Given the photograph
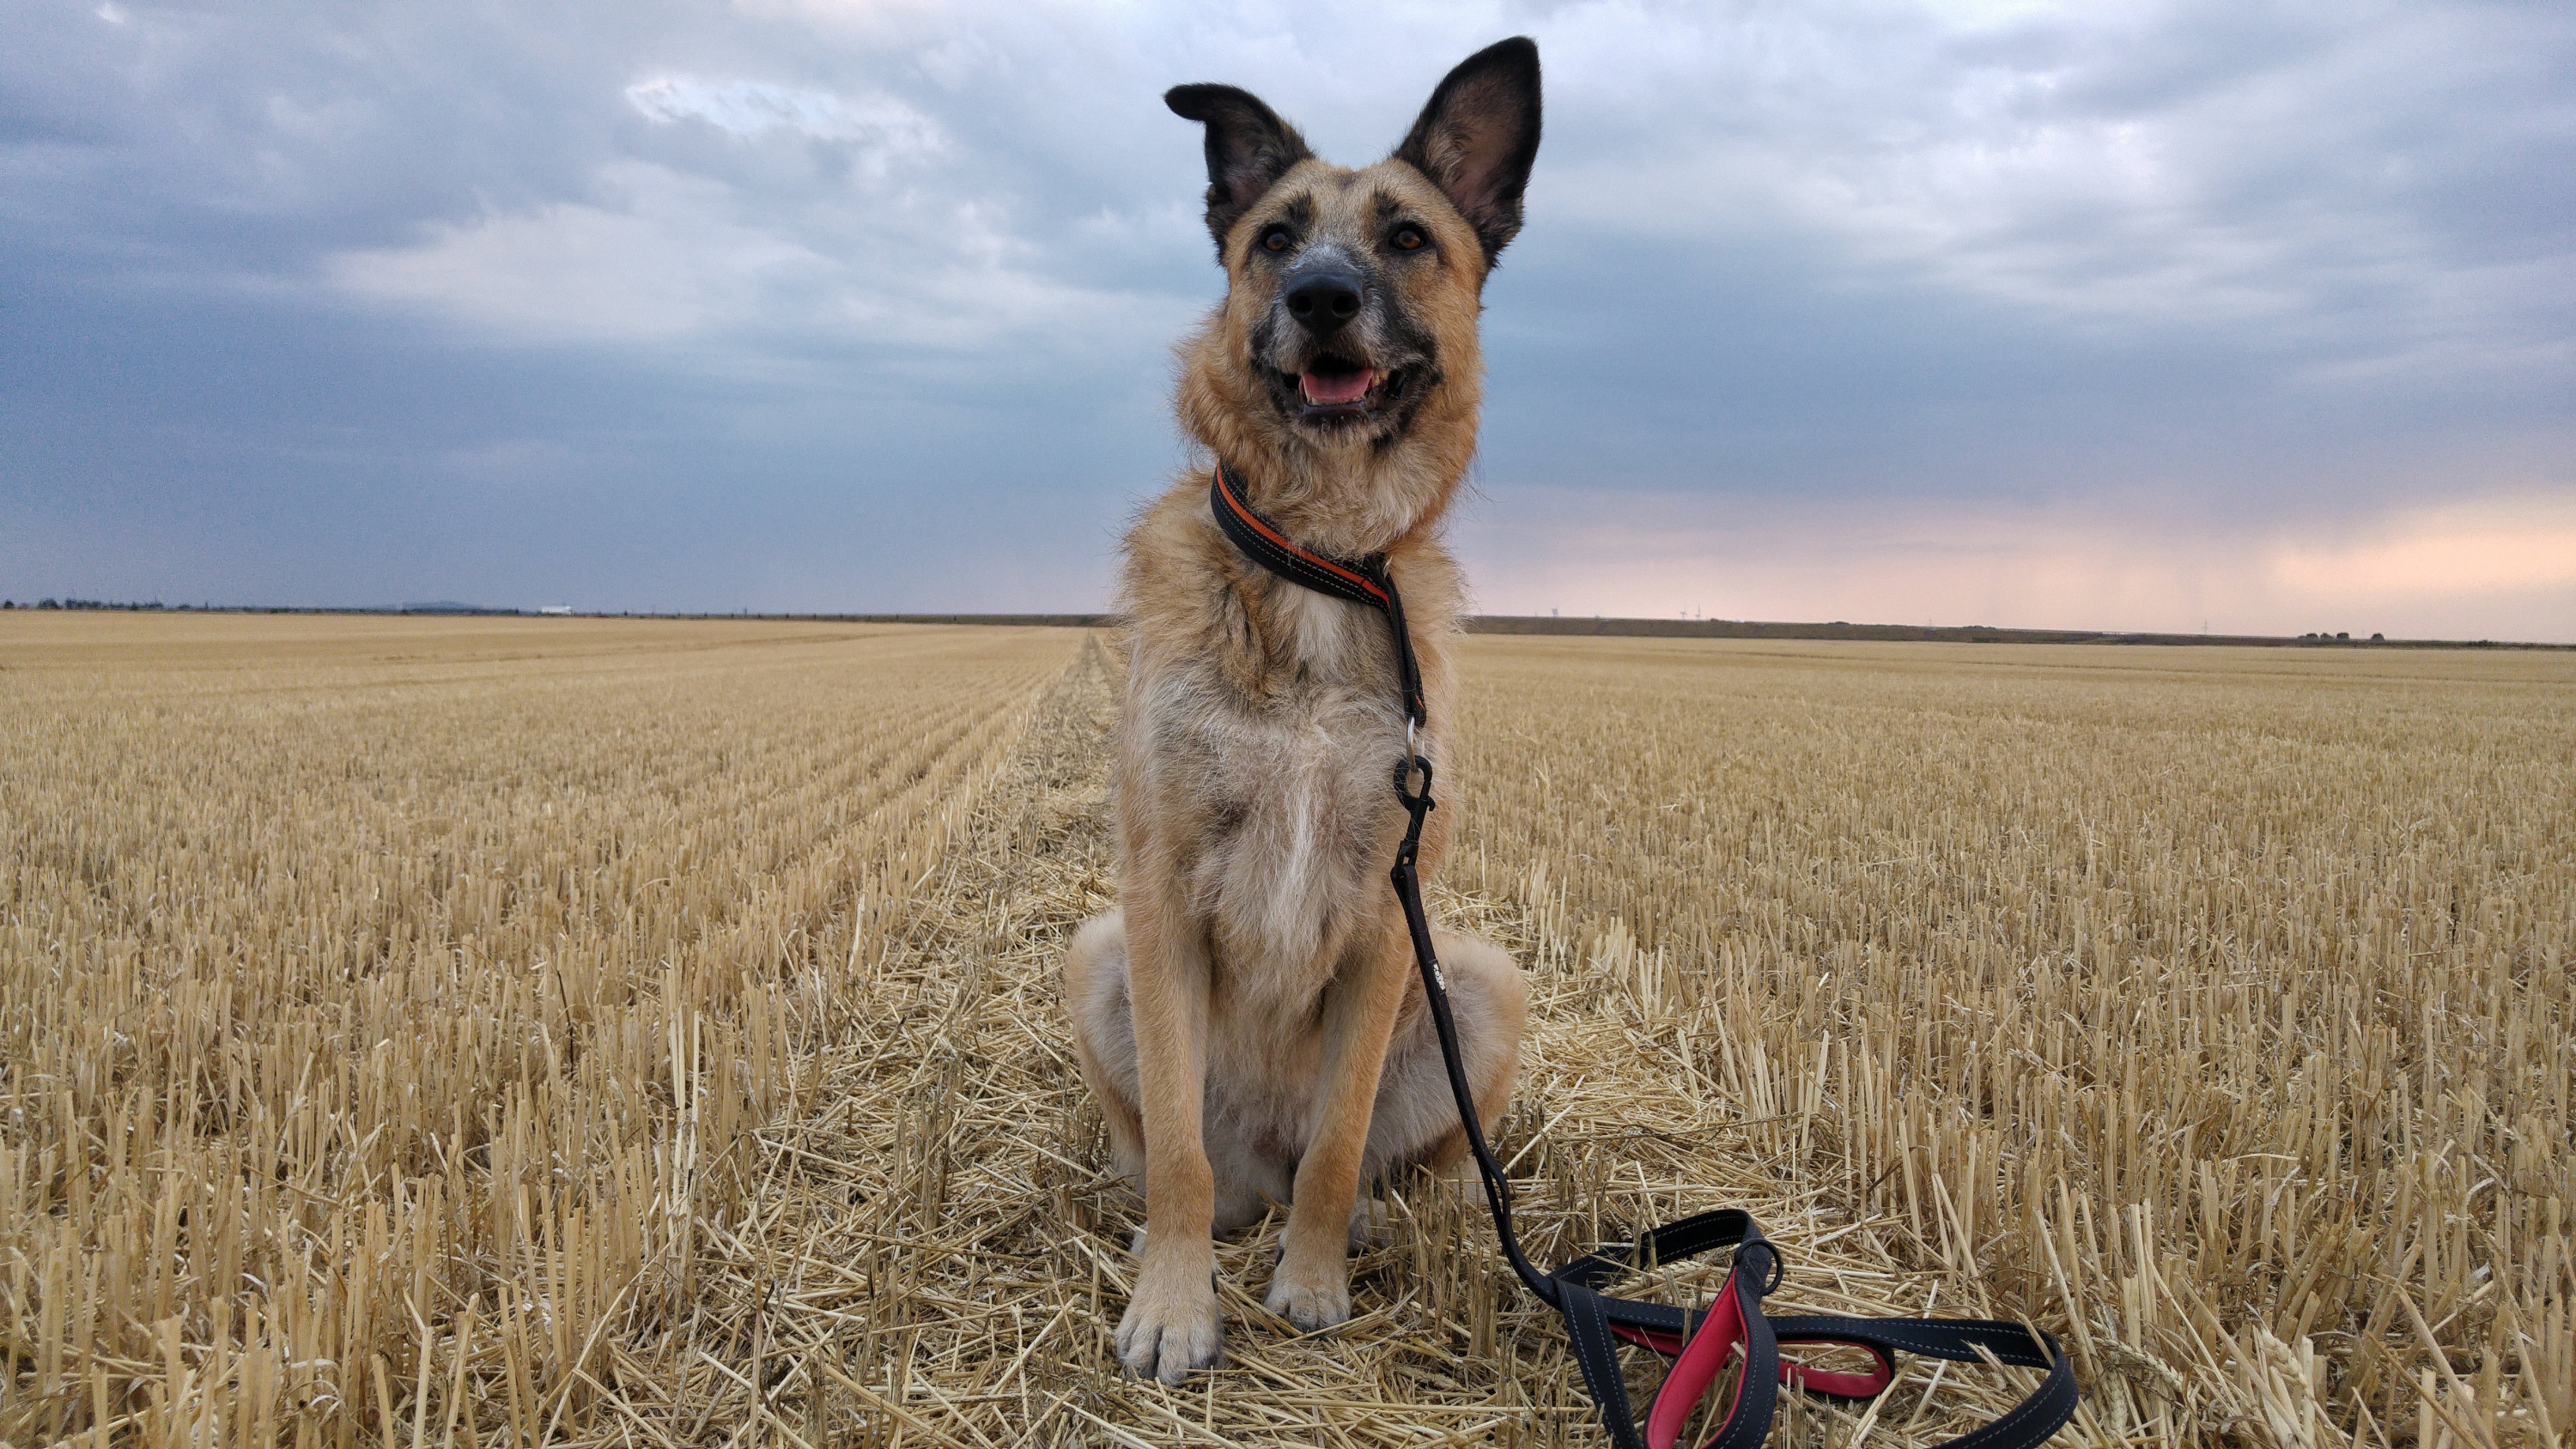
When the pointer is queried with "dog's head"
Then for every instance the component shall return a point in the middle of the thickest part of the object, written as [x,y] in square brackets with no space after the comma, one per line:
[1352,295]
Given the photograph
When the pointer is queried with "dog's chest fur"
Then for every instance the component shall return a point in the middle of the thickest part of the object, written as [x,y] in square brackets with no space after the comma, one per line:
[1278,737]
[1292,786]
[1303,800]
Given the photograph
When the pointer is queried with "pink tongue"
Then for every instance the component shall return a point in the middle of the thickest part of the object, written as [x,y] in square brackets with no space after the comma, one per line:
[1340,387]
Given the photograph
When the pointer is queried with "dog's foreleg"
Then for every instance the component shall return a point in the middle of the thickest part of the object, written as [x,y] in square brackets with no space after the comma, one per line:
[1312,1287]
[1171,1325]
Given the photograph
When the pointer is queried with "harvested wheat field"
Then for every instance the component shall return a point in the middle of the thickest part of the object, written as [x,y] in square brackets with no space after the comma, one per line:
[591,1032]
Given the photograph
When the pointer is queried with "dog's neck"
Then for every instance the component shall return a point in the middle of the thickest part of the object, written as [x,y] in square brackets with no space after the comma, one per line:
[1349,500]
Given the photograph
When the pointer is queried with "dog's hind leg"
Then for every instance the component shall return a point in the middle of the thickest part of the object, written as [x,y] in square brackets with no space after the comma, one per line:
[1104,1036]
[1416,1121]
[1247,1183]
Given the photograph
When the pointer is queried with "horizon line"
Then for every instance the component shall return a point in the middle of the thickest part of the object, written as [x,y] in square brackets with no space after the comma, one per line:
[1579,625]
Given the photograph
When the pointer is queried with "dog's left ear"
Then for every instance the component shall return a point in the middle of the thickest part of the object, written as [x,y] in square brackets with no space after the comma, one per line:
[1478,135]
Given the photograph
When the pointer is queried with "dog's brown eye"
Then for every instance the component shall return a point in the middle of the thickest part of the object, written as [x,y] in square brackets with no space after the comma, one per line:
[1407,239]
[1275,239]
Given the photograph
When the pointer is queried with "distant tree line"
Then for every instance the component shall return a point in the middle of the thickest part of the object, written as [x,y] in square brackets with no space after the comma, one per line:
[82,604]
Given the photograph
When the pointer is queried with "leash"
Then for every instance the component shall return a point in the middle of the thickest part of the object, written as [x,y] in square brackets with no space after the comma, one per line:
[1701,1344]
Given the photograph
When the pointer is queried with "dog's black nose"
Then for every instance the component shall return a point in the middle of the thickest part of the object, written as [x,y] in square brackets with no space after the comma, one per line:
[1322,302]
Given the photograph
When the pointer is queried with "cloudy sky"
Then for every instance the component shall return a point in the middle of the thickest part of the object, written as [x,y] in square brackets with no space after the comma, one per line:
[2103,315]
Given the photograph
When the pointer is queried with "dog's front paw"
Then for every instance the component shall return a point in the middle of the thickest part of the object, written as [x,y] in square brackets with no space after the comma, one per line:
[1172,1325]
[1313,1298]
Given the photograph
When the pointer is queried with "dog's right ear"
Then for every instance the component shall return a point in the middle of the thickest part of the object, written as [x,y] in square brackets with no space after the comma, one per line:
[1248,149]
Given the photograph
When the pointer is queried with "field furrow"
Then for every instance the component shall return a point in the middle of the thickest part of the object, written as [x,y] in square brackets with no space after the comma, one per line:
[378,1000]
[647,1033]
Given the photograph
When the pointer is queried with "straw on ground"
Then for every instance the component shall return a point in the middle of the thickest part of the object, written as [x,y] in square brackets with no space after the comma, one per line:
[591,1033]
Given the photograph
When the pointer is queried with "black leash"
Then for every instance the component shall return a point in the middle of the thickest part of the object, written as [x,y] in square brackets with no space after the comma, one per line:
[1700,1344]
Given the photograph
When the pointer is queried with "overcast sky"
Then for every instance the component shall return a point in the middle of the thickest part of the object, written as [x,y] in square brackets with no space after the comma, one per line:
[2100,315]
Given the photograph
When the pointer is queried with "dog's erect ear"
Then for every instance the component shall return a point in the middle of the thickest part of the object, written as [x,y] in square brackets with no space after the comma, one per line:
[1248,149]
[1479,134]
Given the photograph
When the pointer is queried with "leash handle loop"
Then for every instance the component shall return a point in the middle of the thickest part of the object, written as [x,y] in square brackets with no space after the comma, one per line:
[1587,1324]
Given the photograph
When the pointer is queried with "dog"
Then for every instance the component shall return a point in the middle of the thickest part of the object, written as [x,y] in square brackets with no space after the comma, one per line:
[1249,1017]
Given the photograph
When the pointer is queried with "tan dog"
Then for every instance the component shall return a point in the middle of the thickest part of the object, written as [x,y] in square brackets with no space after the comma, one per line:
[1250,1018]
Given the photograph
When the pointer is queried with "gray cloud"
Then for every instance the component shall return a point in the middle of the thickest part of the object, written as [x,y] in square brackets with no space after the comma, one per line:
[869,306]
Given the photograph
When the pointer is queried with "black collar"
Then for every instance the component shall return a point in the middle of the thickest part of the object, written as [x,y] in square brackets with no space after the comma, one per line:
[1361,581]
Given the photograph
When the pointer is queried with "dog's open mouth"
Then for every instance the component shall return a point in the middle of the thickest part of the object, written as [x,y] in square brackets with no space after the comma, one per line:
[1334,387]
